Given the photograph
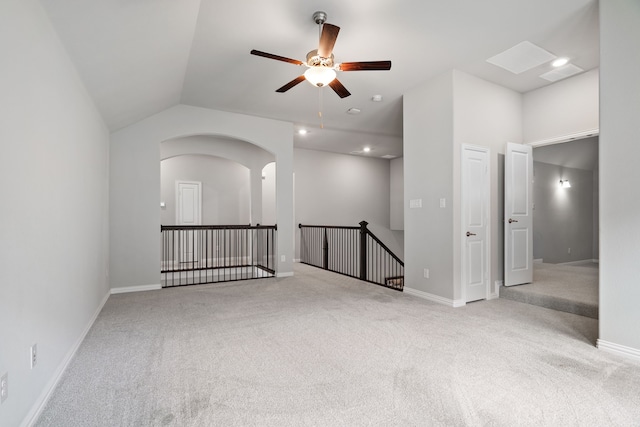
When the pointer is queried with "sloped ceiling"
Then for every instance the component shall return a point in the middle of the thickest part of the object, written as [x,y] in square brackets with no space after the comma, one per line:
[139,57]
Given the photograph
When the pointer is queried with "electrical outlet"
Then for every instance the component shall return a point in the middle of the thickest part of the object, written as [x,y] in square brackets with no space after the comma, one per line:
[34,355]
[283,258]
[569,250]
[426,273]
[4,387]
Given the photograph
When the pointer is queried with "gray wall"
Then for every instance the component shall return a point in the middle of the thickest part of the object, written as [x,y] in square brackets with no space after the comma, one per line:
[428,164]
[135,155]
[340,189]
[619,176]
[226,188]
[268,177]
[397,194]
[563,217]
[439,116]
[54,190]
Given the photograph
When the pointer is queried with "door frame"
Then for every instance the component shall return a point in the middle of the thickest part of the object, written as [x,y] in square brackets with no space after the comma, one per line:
[487,214]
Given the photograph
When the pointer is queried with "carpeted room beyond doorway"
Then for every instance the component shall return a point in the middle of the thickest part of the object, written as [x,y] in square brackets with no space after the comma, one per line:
[323,349]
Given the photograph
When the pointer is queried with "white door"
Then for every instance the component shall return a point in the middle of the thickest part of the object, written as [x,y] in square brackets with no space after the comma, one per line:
[188,212]
[518,221]
[475,223]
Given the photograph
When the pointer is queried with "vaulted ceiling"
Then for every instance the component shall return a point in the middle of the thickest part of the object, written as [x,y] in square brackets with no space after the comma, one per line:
[139,57]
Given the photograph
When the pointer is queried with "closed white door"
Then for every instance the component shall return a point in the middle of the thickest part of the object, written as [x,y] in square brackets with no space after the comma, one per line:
[188,212]
[518,221]
[475,222]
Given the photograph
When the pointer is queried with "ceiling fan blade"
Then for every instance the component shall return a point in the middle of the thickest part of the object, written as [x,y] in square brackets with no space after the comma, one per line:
[365,66]
[276,57]
[327,40]
[291,84]
[339,88]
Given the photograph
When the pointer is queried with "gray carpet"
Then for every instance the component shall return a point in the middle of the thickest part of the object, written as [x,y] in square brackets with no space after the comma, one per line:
[320,349]
[568,288]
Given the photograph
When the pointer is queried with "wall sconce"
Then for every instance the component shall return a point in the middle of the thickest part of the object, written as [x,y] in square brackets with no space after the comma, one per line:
[564,183]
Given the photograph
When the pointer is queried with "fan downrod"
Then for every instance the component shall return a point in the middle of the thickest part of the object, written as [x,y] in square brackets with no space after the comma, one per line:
[320,17]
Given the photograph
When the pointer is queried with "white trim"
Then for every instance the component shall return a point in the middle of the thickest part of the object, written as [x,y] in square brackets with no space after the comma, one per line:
[141,288]
[434,298]
[42,400]
[286,274]
[538,260]
[495,292]
[296,260]
[621,350]
[565,138]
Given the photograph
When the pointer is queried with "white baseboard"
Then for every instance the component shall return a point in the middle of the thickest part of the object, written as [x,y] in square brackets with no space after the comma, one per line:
[434,298]
[127,289]
[286,274]
[296,260]
[618,349]
[42,400]
[538,261]
[582,261]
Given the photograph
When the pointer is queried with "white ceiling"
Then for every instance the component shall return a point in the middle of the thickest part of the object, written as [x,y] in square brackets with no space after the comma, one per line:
[139,57]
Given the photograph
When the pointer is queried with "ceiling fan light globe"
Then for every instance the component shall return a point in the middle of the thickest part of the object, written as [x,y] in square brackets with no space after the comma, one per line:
[320,76]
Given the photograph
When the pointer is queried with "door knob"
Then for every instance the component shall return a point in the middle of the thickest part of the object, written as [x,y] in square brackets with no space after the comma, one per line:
[512,220]
[470,234]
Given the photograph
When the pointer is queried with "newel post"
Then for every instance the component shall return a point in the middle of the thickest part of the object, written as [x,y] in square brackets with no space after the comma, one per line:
[363,250]
[325,251]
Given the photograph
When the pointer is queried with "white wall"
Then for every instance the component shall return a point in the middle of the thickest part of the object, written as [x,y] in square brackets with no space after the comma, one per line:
[619,176]
[135,184]
[53,184]
[225,186]
[567,107]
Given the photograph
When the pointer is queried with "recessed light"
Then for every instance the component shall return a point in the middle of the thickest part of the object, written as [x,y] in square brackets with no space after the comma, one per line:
[303,132]
[366,149]
[560,62]
[376,98]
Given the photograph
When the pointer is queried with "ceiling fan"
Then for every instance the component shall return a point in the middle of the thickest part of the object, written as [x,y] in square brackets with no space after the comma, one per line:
[321,68]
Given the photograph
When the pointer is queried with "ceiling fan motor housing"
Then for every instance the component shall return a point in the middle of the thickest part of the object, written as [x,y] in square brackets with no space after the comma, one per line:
[315,60]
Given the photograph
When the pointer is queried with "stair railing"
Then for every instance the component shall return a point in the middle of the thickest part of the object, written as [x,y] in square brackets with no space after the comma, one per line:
[352,251]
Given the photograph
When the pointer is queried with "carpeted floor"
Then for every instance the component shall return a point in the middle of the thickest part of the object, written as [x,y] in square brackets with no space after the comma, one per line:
[319,349]
[569,288]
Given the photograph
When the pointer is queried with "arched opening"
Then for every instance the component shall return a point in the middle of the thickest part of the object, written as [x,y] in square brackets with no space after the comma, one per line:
[211,211]
[225,189]
[134,202]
